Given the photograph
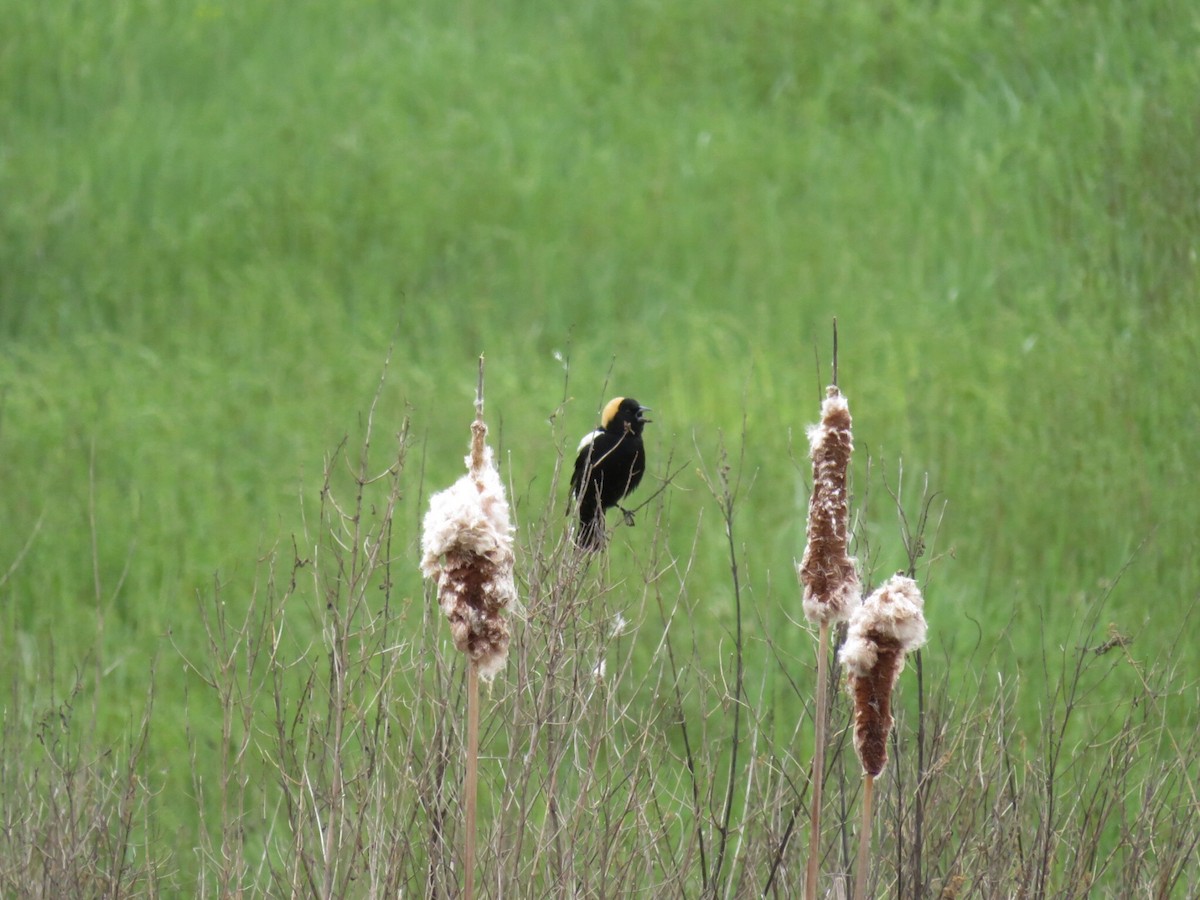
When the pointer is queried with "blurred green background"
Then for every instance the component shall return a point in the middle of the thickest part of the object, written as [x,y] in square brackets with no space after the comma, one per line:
[217,219]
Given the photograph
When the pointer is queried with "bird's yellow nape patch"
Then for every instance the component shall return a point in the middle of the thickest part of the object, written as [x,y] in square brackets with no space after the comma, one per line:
[610,410]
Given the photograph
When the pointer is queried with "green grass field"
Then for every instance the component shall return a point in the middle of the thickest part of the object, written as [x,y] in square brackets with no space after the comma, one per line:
[220,221]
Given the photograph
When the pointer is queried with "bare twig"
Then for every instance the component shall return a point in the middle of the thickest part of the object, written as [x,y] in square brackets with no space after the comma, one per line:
[725,491]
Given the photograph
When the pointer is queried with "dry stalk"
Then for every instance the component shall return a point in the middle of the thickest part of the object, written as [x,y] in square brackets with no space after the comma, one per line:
[827,572]
[887,625]
[864,843]
[472,775]
[467,546]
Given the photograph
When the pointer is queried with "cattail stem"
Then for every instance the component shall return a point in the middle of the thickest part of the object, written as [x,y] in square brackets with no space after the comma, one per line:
[818,766]
[472,778]
[467,546]
[827,572]
[864,839]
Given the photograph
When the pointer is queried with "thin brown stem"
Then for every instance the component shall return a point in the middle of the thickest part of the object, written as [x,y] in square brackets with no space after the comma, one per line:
[472,778]
[818,767]
[727,500]
[864,839]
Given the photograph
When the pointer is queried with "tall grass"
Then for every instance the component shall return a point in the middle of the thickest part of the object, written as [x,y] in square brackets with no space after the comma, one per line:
[217,217]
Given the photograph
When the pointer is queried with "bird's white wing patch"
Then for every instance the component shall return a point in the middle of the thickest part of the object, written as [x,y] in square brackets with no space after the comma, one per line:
[588,438]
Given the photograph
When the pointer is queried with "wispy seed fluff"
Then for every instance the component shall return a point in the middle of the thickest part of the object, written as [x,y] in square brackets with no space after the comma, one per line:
[467,545]
[887,625]
[828,573]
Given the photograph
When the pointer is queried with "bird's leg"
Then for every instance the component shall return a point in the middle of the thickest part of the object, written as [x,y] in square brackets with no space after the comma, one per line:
[627,514]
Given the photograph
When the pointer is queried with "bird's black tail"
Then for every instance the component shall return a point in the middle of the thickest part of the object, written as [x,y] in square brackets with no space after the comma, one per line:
[590,534]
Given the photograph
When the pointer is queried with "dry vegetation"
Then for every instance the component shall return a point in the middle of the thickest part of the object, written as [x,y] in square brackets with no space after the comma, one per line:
[621,755]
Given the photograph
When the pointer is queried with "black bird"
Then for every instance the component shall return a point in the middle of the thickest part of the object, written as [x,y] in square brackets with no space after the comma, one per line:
[610,464]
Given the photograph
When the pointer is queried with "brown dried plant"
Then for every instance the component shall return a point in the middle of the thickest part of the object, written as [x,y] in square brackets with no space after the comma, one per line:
[467,545]
[828,574]
[882,630]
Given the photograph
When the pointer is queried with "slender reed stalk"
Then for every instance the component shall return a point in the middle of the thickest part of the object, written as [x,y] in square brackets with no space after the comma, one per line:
[726,492]
[467,546]
[472,777]
[888,624]
[828,574]
[915,538]
[864,843]
[818,766]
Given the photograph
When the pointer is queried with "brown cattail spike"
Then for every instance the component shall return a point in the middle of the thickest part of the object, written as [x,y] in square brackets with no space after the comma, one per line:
[873,706]
[888,624]
[829,575]
[467,545]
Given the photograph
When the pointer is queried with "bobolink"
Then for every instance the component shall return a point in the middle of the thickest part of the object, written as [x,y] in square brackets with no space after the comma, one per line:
[610,464]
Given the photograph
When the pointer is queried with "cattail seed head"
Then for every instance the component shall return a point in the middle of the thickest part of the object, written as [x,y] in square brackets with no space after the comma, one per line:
[467,545]
[887,625]
[828,573]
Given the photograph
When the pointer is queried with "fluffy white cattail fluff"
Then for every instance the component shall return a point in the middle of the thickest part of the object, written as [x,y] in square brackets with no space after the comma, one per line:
[828,573]
[467,545]
[887,625]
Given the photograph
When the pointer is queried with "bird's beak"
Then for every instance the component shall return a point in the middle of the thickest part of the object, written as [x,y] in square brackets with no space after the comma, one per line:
[641,417]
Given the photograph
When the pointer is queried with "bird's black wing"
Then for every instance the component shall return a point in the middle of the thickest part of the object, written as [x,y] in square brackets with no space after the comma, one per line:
[583,460]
